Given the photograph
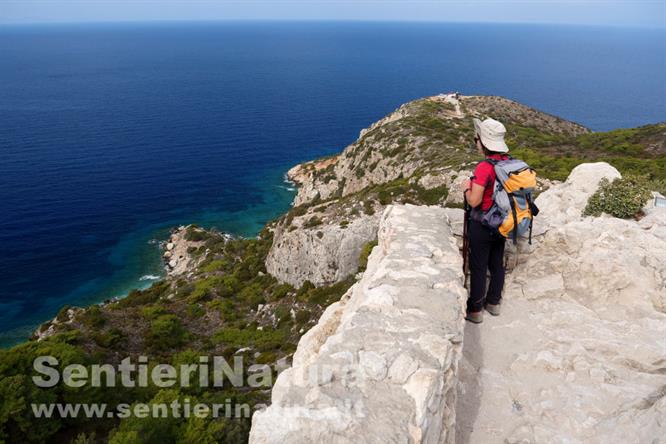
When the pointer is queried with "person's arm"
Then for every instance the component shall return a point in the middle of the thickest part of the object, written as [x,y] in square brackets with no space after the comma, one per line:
[474,194]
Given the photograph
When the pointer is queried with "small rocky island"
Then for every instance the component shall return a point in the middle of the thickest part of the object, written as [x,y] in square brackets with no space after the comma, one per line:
[364,272]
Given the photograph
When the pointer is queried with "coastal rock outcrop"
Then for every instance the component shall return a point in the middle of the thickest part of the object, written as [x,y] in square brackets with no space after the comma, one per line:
[381,364]
[178,249]
[320,254]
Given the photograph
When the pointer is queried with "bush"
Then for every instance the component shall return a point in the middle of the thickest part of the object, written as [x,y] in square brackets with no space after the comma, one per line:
[324,296]
[153,311]
[313,222]
[280,291]
[283,315]
[166,332]
[303,316]
[262,340]
[195,234]
[621,198]
[365,253]
[252,295]
[112,338]
[93,317]
[204,288]
[214,265]
[432,196]
[368,207]
[137,298]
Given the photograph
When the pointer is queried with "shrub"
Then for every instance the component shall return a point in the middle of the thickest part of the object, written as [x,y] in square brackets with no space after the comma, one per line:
[195,311]
[252,295]
[621,198]
[214,265]
[152,311]
[283,315]
[166,332]
[225,307]
[303,316]
[280,291]
[141,297]
[324,296]
[195,234]
[432,196]
[368,207]
[112,338]
[266,339]
[62,315]
[365,253]
[93,317]
[204,288]
[313,222]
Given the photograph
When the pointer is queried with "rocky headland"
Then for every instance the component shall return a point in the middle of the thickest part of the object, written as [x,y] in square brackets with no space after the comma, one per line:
[363,276]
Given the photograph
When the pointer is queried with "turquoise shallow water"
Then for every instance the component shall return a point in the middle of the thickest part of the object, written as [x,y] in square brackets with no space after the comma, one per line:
[136,257]
[112,134]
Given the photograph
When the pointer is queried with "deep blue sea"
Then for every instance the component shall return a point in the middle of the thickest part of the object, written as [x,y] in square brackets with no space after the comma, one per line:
[110,134]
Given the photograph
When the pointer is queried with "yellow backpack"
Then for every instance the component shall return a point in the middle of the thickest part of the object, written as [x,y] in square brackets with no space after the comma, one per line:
[513,209]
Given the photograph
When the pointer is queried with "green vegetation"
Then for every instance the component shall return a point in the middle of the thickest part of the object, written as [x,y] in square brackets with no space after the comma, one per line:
[623,198]
[635,151]
[432,196]
[368,207]
[214,313]
[365,254]
[195,234]
[166,333]
[312,222]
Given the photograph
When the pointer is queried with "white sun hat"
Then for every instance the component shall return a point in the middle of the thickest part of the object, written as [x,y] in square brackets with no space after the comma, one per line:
[491,133]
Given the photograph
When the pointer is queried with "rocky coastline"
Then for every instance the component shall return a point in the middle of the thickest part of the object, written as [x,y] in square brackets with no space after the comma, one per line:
[363,241]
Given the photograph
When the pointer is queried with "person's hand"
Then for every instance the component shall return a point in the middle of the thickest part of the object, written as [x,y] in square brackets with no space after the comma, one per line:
[465,185]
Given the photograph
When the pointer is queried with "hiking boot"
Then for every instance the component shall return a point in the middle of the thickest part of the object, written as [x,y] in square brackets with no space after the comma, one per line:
[476,317]
[493,309]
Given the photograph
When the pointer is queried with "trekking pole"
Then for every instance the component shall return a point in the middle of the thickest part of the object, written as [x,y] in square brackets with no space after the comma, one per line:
[465,248]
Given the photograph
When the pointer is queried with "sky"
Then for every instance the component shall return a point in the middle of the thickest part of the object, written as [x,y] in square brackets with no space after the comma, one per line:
[637,13]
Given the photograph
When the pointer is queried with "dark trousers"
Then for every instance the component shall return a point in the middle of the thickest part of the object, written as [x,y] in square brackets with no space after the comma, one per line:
[486,252]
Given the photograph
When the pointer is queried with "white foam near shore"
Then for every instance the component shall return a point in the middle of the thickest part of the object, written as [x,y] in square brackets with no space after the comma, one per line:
[149,277]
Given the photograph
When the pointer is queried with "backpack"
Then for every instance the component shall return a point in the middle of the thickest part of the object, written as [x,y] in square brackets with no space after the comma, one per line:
[513,208]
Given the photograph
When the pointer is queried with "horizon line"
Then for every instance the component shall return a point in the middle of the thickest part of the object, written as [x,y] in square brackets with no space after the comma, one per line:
[323,20]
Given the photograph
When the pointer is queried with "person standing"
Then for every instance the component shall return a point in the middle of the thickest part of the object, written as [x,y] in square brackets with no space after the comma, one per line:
[486,246]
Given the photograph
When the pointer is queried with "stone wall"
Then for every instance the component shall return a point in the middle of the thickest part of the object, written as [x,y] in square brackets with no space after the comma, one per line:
[381,364]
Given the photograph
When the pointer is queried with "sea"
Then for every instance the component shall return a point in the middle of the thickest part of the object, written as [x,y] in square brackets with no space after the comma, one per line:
[111,134]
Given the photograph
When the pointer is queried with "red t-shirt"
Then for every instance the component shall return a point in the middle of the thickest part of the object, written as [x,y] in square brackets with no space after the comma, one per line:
[484,175]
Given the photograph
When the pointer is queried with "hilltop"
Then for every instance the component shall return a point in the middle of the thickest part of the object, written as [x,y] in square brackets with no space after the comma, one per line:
[419,153]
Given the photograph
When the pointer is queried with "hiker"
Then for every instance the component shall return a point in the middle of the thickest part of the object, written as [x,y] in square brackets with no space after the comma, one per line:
[486,246]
